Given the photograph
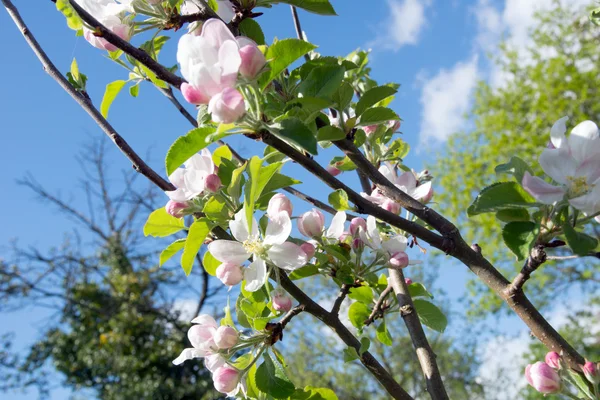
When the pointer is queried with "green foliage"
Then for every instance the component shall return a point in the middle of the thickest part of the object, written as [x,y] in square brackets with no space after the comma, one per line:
[271,379]
[417,289]
[339,200]
[110,94]
[322,82]
[281,54]
[250,28]
[377,115]
[430,315]
[372,97]
[499,196]
[358,313]
[259,177]
[73,20]
[581,243]
[295,131]
[331,133]
[195,239]
[161,224]
[519,237]
[186,146]
[170,251]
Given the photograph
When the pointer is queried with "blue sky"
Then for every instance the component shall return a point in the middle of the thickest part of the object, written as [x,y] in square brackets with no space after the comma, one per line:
[436,49]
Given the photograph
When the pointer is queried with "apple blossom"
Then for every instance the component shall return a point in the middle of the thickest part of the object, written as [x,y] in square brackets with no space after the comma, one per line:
[399,260]
[108,13]
[253,60]
[230,274]
[407,182]
[408,281]
[226,337]
[226,380]
[553,359]
[543,378]
[370,129]
[214,361]
[309,249]
[391,206]
[357,223]
[591,372]
[209,62]
[201,337]
[248,243]
[279,202]
[387,245]
[281,300]
[227,107]
[311,223]
[574,164]
[333,170]
[213,183]
[175,208]
[394,125]
[190,181]
[336,229]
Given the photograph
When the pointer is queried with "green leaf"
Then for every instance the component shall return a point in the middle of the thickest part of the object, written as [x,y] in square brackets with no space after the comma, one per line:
[343,163]
[364,294]
[579,242]
[372,97]
[339,200]
[210,264]
[358,313]
[250,28]
[216,209]
[186,146]
[350,354]
[500,196]
[281,54]
[279,181]
[417,289]
[322,82]
[518,236]
[237,181]
[377,115]
[322,7]
[196,236]
[221,152]
[398,149]
[343,96]
[312,393]
[430,315]
[170,251]
[153,78]
[272,380]
[516,166]
[304,272]
[74,69]
[111,92]
[161,224]
[227,320]
[365,343]
[513,214]
[259,177]
[383,335]
[330,132]
[295,131]
[73,20]
[134,90]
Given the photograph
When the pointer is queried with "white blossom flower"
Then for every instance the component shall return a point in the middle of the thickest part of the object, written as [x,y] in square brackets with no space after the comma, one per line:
[201,337]
[109,13]
[190,181]
[383,244]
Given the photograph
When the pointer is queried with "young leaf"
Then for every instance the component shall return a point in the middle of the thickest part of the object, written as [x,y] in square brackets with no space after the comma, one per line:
[365,343]
[186,146]
[330,132]
[364,294]
[579,242]
[377,115]
[153,78]
[210,264]
[170,251]
[221,152]
[383,335]
[73,20]
[372,97]
[312,393]
[75,70]
[111,92]
[322,82]
[196,236]
[350,354]
[513,214]
[259,177]
[430,315]
[343,96]
[518,236]
[250,28]
[322,7]
[516,166]
[279,181]
[295,131]
[339,200]
[358,313]
[417,289]
[500,196]
[161,224]
[281,54]
[272,380]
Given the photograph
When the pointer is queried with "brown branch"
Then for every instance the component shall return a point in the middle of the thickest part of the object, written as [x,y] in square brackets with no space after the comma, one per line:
[379,306]
[425,354]
[299,33]
[337,304]
[364,181]
[138,164]
[536,258]
[204,289]
[291,314]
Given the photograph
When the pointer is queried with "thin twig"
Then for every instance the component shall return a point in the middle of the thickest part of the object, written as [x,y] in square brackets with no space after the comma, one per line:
[337,304]
[364,181]
[379,306]
[426,356]
[536,258]
[299,33]
[291,314]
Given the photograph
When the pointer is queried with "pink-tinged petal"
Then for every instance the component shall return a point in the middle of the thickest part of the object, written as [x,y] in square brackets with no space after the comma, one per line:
[528,374]
[588,203]
[558,164]
[206,320]
[557,133]
[195,181]
[225,10]
[228,251]
[395,244]
[584,141]
[178,195]
[590,169]
[239,227]
[193,95]
[229,57]
[214,361]
[255,275]
[421,192]
[186,354]
[374,199]
[216,32]
[542,190]
[408,180]
[279,228]
[199,335]
[244,41]
[177,178]
[336,229]
[288,256]
[388,171]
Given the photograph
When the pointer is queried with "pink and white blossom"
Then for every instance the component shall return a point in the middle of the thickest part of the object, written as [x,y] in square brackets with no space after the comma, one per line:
[253,60]
[226,337]
[201,337]
[574,164]
[110,14]
[311,223]
[384,244]
[227,380]
[543,378]
[279,202]
[227,106]
[281,300]
[248,243]
[212,183]
[333,170]
[190,181]
[230,274]
[553,359]
[309,248]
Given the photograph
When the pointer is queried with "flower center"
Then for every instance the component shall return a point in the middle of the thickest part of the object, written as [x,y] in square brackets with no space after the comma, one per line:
[254,246]
[578,186]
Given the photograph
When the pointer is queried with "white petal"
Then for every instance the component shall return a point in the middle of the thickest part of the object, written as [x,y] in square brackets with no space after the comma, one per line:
[590,170]
[408,180]
[588,203]
[188,354]
[278,229]
[195,181]
[395,244]
[373,232]
[228,251]
[558,164]
[255,275]
[542,190]
[584,141]
[387,170]
[336,229]
[288,256]
[557,133]
[239,227]
[229,58]
[216,32]
[179,195]
[214,361]
[421,191]
[205,319]
[373,199]
[177,178]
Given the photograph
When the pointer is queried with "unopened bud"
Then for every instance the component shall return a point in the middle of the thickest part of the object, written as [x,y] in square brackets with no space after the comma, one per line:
[356,223]
[176,208]
[543,378]
[253,60]
[309,249]
[590,370]
[399,260]
[226,337]
[553,359]
[393,125]
[213,183]
[229,274]
[281,301]
[333,170]
[408,281]
[357,244]
[311,223]
[279,202]
[370,129]
[226,379]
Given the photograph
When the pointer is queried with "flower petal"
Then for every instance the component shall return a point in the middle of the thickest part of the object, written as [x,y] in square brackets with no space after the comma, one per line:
[387,170]
[239,227]
[408,180]
[395,244]
[216,32]
[228,251]
[584,141]
[558,164]
[542,190]
[278,228]
[288,256]
[336,229]
[557,133]
[588,203]
[255,275]
[205,319]
[421,191]
[229,58]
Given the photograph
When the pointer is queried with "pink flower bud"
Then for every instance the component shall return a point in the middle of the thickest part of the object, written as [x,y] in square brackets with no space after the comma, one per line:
[357,223]
[214,361]
[370,129]
[311,223]
[253,60]
[393,125]
[399,260]
[115,25]
[229,274]
[227,107]
[553,359]
[391,206]
[213,183]
[333,170]
[175,208]
[193,95]
[590,370]
[357,244]
[226,379]
[281,301]
[408,281]
[309,249]
[279,202]
[226,337]
[543,378]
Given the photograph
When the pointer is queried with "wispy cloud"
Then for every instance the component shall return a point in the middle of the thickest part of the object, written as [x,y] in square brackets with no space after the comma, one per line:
[404,25]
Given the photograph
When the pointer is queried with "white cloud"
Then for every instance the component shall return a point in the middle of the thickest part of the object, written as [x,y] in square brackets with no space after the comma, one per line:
[186,308]
[405,24]
[445,99]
